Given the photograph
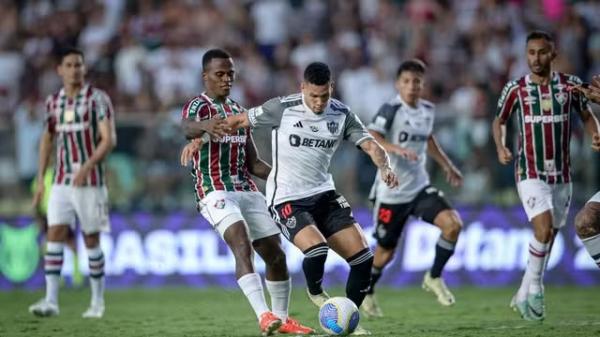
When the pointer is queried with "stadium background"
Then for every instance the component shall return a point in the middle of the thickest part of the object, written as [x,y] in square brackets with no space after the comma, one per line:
[147,55]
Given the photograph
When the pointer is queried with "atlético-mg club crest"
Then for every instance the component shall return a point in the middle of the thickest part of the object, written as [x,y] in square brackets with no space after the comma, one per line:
[333,127]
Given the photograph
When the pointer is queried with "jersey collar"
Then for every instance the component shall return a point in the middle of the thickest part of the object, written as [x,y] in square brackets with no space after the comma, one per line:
[408,108]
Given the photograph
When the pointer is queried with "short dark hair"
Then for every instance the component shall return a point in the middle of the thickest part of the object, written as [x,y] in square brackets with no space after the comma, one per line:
[66,51]
[317,73]
[414,65]
[540,35]
[214,54]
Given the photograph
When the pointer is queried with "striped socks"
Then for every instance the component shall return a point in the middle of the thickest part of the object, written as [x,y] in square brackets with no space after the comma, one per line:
[96,264]
[313,266]
[359,279]
[53,260]
[532,280]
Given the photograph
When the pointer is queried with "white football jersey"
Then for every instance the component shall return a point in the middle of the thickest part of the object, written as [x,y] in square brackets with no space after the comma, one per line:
[409,128]
[303,143]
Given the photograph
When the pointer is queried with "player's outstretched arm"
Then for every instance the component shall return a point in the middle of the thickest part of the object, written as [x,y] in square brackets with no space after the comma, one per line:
[215,127]
[381,160]
[107,143]
[591,92]
[591,125]
[256,165]
[453,175]
[499,131]
[393,148]
[239,121]
[46,145]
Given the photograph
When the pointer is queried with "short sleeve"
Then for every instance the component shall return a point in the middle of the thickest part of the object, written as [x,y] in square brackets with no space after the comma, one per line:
[49,116]
[196,109]
[268,114]
[354,130]
[507,101]
[383,119]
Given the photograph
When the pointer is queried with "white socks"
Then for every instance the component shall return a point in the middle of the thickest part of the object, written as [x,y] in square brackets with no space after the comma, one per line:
[280,297]
[532,280]
[53,260]
[96,264]
[251,286]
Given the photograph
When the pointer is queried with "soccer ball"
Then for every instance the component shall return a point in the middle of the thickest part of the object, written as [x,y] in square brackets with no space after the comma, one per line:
[338,316]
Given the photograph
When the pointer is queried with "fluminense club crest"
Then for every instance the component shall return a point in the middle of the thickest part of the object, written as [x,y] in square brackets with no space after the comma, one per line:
[333,127]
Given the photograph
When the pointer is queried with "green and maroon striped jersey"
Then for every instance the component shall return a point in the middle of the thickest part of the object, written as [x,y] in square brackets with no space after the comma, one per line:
[75,121]
[544,116]
[220,165]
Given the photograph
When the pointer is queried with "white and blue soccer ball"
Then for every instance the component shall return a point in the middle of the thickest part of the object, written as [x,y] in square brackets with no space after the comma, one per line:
[338,316]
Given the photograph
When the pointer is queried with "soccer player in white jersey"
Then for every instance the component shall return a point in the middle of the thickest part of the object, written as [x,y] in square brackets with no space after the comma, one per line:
[228,198]
[307,128]
[587,221]
[81,118]
[544,104]
[403,126]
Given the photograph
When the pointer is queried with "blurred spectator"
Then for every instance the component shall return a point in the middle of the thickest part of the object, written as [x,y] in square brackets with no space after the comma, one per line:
[147,55]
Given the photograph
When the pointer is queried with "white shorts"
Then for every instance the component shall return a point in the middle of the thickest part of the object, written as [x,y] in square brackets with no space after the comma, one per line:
[222,209]
[538,197]
[89,204]
[595,197]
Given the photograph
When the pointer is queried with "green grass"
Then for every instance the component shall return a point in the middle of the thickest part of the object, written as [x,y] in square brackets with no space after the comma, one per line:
[217,312]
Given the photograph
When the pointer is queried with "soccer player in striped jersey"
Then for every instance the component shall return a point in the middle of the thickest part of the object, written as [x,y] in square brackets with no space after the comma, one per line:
[544,103]
[307,129]
[404,126]
[228,198]
[587,221]
[81,119]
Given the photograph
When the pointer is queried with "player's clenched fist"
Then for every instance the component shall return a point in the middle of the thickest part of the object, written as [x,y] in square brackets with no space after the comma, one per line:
[389,177]
[504,155]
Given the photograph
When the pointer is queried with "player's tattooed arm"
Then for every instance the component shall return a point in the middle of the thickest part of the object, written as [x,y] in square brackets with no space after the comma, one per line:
[453,175]
[216,127]
[398,150]
[499,131]
[256,165]
[381,159]
[107,143]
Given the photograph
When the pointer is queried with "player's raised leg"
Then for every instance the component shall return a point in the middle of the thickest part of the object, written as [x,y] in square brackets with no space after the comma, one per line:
[450,223]
[587,225]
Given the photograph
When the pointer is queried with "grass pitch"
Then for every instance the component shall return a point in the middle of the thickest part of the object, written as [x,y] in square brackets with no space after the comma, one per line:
[218,312]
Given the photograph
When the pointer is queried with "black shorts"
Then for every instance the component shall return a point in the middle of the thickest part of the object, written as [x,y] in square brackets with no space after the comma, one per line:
[329,211]
[391,218]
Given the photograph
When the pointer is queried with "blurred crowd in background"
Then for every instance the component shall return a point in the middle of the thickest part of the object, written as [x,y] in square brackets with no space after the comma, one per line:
[147,55]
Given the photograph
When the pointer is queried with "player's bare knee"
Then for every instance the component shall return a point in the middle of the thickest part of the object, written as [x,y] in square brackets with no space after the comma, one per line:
[586,223]
[57,233]
[452,227]
[543,233]
[91,240]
